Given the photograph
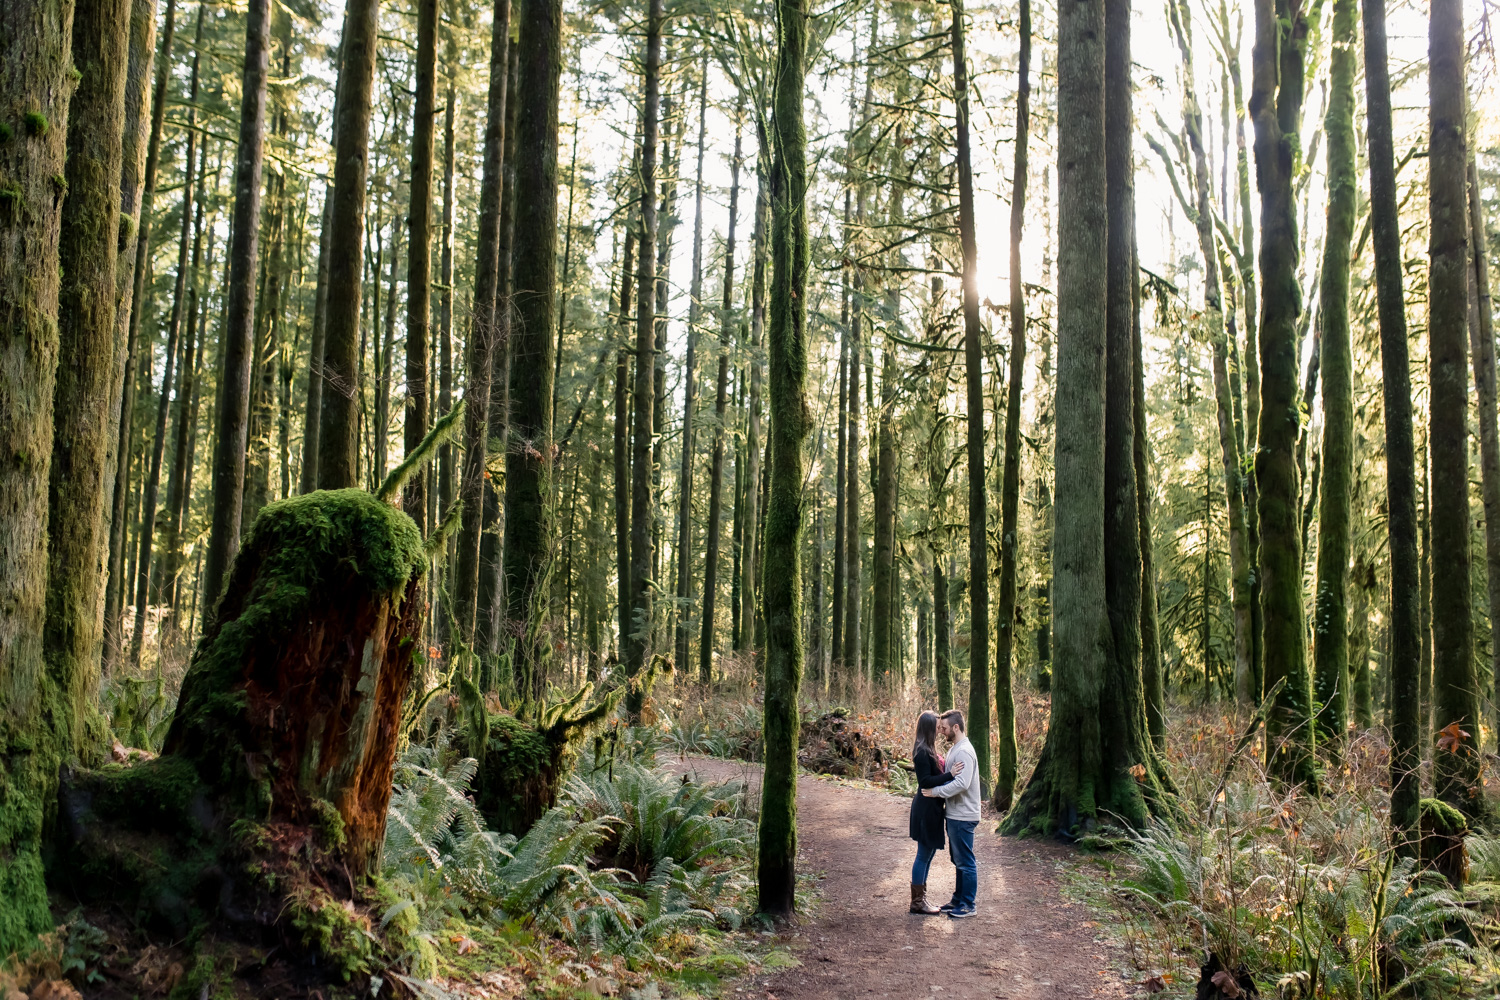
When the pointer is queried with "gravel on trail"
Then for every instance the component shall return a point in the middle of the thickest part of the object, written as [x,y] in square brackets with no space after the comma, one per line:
[1025,943]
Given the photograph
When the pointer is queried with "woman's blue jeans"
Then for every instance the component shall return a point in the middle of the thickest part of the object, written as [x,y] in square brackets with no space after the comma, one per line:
[922,864]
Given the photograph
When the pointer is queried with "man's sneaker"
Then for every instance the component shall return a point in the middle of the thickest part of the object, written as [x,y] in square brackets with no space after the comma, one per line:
[960,912]
[947,907]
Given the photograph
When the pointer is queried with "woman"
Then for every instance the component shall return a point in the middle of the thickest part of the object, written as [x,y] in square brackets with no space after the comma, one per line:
[926,812]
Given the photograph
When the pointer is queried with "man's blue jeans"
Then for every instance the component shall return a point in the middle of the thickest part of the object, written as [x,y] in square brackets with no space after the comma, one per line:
[961,852]
[920,867]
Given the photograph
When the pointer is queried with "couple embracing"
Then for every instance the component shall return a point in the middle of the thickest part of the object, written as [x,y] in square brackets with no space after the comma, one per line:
[947,797]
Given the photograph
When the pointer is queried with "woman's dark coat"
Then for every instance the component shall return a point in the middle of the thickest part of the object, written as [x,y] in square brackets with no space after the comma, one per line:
[927,813]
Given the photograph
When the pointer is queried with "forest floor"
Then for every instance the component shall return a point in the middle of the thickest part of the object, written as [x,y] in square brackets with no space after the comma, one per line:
[1027,941]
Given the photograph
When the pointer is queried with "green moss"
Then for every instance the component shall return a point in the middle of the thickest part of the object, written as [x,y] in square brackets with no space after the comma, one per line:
[204,980]
[1442,819]
[329,824]
[6,133]
[333,930]
[516,773]
[36,123]
[401,930]
[298,551]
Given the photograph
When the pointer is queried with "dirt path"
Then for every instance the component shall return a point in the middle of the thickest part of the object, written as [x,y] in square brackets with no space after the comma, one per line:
[1026,943]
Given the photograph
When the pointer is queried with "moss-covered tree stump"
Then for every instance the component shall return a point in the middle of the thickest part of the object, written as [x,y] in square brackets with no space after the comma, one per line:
[525,759]
[1442,848]
[276,771]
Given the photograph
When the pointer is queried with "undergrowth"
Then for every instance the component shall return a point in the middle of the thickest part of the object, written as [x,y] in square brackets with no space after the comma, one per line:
[633,874]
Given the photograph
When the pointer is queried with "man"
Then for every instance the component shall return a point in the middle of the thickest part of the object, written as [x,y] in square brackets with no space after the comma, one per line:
[962,795]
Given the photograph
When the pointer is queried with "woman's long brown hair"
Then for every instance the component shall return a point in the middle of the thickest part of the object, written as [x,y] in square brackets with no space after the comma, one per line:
[926,734]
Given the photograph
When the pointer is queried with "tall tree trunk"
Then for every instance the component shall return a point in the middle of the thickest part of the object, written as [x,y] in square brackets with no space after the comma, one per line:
[1153,673]
[941,654]
[1331,676]
[721,415]
[790,423]
[1097,735]
[419,256]
[40,713]
[137,194]
[1124,734]
[445,298]
[480,345]
[1482,344]
[836,642]
[86,251]
[239,328]
[1275,102]
[489,626]
[317,345]
[753,510]
[184,420]
[1455,694]
[641,553]
[338,434]
[979,554]
[882,586]
[622,443]
[164,400]
[528,461]
[689,397]
[852,542]
[1010,487]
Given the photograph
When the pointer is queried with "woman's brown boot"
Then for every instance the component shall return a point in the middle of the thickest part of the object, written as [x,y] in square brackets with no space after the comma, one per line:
[919,901]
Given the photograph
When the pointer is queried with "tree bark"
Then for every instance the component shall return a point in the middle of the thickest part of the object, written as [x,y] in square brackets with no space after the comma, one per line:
[184,420]
[490,627]
[752,509]
[1482,345]
[87,250]
[689,397]
[1097,744]
[882,668]
[418,413]
[152,485]
[1331,677]
[721,415]
[239,327]
[790,423]
[529,457]
[338,435]
[852,541]
[480,345]
[137,193]
[641,552]
[1455,695]
[304,671]
[1010,488]
[1153,672]
[1275,101]
[445,298]
[622,443]
[39,722]
[979,555]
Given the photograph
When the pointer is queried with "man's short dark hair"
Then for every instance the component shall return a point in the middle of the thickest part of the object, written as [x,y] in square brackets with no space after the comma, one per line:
[954,718]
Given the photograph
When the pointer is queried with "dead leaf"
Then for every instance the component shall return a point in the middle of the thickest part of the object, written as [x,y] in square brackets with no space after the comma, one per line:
[1451,737]
[1226,984]
[55,989]
[465,943]
[1153,985]
[1138,772]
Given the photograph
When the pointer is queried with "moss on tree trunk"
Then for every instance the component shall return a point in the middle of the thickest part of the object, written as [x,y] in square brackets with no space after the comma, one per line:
[790,422]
